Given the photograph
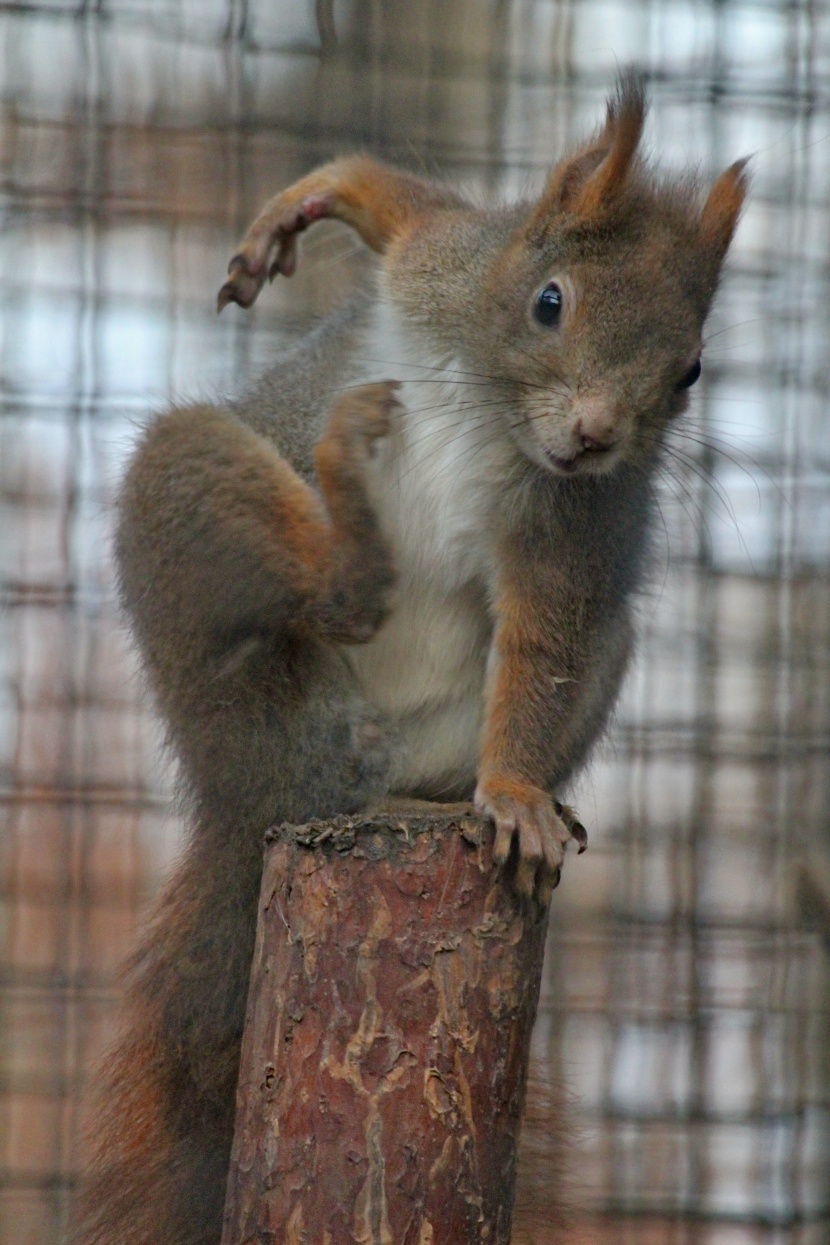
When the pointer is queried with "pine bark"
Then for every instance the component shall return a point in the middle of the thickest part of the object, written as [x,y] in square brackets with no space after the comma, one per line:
[394,986]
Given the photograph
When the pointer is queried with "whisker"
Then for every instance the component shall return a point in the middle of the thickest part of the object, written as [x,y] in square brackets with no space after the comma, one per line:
[691,504]
[715,445]
[451,374]
[661,474]
[680,493]
[501,379]
[730,328]
[709,482]
[459,430]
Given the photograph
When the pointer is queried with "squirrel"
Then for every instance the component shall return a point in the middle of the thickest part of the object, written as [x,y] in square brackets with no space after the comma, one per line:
[346,588]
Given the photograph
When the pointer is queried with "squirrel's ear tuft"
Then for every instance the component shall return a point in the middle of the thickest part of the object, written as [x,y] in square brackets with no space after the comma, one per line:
[722,209]
[624,121]
[585,183]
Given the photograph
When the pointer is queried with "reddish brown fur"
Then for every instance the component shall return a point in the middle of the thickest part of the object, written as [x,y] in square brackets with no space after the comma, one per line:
[382,205]
[623,130]
[722,209]
[588,181]
[379,203]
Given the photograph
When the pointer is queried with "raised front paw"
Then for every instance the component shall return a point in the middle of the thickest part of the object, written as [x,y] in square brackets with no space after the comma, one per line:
[360,417]
[363,572]
[540,826]
[270,246]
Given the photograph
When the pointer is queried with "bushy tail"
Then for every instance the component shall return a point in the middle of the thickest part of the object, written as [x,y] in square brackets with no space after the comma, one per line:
[163,1129]
[546,1211]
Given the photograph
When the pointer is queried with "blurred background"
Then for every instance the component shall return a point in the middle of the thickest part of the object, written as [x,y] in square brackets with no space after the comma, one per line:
[687,998]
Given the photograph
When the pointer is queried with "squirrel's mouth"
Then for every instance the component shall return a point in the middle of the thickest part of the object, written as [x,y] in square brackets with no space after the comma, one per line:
[568,466]
[593,461]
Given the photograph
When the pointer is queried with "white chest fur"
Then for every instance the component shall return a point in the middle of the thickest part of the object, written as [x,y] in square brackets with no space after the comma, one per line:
[433,485]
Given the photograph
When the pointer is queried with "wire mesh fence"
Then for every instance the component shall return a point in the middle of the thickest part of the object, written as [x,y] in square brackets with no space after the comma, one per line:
[687,996]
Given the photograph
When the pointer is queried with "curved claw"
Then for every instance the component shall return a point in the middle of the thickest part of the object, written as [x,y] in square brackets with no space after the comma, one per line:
[577,831]
[270,247]
[242,286]
[539,826]
[526,815]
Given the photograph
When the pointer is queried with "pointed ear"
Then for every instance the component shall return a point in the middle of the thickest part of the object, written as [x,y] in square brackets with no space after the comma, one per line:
[585,183]
[568,178]
[722,209]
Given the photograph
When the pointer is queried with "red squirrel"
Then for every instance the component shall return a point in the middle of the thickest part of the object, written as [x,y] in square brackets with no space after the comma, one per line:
[346,588]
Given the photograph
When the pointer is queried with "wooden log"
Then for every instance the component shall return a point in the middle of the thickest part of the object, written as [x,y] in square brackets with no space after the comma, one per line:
[393,991]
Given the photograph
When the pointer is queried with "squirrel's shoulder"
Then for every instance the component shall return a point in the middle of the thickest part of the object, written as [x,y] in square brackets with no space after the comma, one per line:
[289,401]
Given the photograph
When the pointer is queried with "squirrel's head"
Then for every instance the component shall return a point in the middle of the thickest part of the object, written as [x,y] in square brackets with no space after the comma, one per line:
[586,308]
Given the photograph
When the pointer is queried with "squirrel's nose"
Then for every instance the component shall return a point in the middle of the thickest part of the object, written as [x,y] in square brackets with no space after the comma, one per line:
[594,436]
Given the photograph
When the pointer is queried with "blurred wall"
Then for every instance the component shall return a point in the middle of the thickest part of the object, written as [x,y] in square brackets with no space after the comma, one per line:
[686,1003]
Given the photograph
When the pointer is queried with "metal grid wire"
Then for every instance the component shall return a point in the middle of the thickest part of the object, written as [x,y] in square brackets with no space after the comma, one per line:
[686,1003]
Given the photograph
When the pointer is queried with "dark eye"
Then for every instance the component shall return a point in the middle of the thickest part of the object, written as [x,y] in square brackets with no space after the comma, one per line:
[690,377]
[548,306]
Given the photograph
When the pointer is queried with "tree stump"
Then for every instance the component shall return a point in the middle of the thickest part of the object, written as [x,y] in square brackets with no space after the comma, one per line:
[393,991]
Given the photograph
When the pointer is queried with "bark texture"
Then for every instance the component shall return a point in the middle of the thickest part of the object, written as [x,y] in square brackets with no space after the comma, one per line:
[393,992]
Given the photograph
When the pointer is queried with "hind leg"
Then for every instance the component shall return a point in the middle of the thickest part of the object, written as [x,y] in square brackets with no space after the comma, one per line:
[235,573]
